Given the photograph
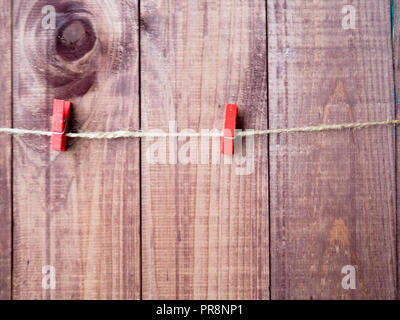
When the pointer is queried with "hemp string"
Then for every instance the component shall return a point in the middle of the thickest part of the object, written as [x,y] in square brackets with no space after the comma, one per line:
[143,134]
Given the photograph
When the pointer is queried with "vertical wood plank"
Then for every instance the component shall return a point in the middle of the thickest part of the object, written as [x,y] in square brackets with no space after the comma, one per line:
[5,151]
[332,194]
[77,211]
[396,66]
[204,226]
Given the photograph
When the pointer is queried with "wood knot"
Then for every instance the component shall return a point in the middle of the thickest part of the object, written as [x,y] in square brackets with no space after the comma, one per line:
[87,44]
[75,38]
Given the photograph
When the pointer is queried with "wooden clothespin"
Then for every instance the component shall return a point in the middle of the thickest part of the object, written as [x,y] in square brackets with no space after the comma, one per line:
[228,140]
[61,112]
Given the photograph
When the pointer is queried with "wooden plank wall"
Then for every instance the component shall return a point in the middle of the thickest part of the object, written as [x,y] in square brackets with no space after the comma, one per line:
[332,194]
[77,211]
[169,219]
[205,227]
[5,151]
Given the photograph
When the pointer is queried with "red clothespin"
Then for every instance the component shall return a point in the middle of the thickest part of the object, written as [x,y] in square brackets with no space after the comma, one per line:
[61,111]
[228,140]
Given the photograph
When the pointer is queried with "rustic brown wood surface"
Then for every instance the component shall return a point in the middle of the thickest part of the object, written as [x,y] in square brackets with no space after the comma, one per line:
[77,211]
[332,194]
[204,226]
[396,66]
[168,218]
[5,151]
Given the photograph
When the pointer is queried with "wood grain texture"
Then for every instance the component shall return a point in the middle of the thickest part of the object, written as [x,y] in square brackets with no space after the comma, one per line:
[5,151]
[77,211]
[396,66]
[204,227]
[332,194]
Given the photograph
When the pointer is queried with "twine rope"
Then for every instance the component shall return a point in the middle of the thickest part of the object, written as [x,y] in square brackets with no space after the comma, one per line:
[149,134]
